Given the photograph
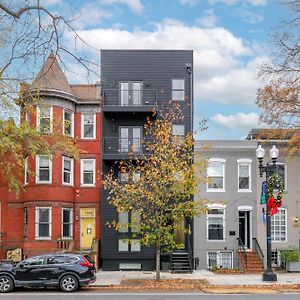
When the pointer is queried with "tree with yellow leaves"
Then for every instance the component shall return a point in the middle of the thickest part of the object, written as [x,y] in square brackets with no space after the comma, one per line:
[160,187]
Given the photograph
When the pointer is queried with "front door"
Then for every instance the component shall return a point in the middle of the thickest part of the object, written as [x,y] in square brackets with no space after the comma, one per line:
[245,228]
[87,227]
[130,139]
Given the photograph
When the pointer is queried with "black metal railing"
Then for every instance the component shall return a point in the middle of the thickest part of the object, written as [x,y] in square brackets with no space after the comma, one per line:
[190,252]
[257,248]
[137,98]
[242,249]
[116,145]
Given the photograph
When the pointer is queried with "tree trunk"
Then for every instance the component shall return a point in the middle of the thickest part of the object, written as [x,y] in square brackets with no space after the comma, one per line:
[157,277]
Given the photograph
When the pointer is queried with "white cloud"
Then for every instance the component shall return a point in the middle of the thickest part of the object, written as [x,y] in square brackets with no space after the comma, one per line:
[135,5]
[232,2]
[189,2]
[220,73]
[208,19]
[237,121]
[90,15]
[248,16]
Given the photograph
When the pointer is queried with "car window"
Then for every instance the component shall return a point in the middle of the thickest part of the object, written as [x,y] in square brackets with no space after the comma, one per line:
[55,260]
[89,259]
[33,261]
[71,259]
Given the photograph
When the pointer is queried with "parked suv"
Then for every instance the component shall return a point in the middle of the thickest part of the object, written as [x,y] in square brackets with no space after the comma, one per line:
[66,271]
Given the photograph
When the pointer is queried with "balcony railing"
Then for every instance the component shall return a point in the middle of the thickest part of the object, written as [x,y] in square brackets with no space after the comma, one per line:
[129,98]
[124,146]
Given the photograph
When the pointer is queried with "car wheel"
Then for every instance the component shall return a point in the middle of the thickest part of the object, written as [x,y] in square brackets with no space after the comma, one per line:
[6,284]
[69,284]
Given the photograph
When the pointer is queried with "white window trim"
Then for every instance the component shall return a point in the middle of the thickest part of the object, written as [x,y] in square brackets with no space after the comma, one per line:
[285,175]
[94,172]
[26,171]
[210,190]
[71,225]
[72,171]
[82,127]
[218,258]
[246,162]
[178,89]
[72,121]
[286,227]
[38,118]
[37,237]
[216,206]
[37,163]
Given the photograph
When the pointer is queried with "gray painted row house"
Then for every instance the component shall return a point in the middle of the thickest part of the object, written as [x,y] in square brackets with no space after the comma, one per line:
[234,225]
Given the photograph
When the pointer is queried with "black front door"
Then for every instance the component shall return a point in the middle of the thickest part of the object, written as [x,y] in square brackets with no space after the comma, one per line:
[244,228]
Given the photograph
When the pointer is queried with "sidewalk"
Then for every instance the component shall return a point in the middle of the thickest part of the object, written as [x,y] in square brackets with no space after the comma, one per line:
[114,278]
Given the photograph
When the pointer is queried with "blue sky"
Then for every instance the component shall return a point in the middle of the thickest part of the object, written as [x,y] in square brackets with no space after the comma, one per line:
[230,38]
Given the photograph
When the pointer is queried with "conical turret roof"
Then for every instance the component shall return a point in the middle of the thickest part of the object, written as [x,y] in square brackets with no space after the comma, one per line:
[51,77]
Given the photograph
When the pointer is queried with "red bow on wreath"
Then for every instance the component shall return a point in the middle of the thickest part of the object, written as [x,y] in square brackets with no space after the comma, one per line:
[274,203]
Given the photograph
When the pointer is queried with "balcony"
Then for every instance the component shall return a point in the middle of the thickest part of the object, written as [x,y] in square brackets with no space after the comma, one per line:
[115,148]
[129,101]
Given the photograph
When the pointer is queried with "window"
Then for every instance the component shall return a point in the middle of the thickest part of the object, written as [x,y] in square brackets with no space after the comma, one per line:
[216,175]
[125,177]
[215,224]
[278,226]
[282,172]
[123,221]
[33,261]
[275,258]
[88,172]
[27,118]
[68,122]
[55,260]
[67,223]
[25,223]
[88,126]
[130,139]
[44,119]
[43,219]
[244,174]
[219,259]
[26,175]
[125,245]
[131,93]
[67,170]
[178,89]
[44,169]
[130,266]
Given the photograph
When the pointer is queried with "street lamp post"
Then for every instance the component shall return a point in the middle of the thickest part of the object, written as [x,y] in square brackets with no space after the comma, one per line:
[269,169]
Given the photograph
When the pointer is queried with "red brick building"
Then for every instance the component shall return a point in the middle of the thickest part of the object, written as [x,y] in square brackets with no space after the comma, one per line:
[61,198]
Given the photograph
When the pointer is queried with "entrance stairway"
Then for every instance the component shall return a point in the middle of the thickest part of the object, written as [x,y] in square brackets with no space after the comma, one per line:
[181,262]
[251,262]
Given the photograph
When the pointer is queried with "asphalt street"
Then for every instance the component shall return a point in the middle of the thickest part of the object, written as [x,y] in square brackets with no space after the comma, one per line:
[96,295]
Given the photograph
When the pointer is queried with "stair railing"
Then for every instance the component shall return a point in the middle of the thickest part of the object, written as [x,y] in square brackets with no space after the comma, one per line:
[242,249]
[257,248]
[189,251]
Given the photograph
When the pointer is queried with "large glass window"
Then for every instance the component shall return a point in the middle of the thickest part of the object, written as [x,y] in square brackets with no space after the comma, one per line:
[244,174]
[67,171]
[215,224]
[219,259]
[88,172]
[43,219]
[44,169]
[68,123]
[26,174]
[67,223]
[278,226]
[44,119]
[178,89]
[131,93]
[216,175]
[88,126]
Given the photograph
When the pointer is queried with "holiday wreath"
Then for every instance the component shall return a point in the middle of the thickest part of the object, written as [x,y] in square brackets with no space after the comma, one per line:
[274,203]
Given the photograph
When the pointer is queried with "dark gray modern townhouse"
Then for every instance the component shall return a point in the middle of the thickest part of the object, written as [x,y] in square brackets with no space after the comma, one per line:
[135,83]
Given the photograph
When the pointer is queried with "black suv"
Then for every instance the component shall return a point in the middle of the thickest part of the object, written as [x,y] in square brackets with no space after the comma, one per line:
[66,271]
